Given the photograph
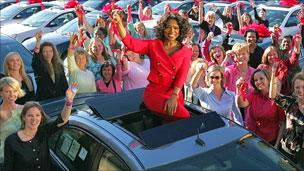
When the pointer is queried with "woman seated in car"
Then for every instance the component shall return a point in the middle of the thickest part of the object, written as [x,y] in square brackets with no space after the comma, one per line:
[13,66]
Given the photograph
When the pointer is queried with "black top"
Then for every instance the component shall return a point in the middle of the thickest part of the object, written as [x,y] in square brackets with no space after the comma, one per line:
[226,19]
[33,154]
[255,58]
[46,88]
[215,29]
[193,15]
[260,21]
[29,95]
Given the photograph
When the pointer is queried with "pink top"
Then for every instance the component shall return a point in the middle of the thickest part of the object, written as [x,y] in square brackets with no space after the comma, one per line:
[135,76]
[142,16]
[115,83]
[263,116]
[232,74]
[205,50]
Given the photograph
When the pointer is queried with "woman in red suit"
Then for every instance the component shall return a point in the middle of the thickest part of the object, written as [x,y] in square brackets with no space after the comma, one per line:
[169,64]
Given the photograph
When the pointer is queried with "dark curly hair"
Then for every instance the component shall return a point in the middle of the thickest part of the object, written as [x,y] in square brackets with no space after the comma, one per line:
[184,26]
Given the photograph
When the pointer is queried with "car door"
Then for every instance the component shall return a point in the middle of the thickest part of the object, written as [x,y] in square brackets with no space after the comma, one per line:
[74,149]
[59,21]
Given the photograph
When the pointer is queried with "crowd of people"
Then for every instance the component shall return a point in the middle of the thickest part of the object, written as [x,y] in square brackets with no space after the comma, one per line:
[260,89]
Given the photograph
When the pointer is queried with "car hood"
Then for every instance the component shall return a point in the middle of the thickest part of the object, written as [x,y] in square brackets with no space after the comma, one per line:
[54,37]
[16,29]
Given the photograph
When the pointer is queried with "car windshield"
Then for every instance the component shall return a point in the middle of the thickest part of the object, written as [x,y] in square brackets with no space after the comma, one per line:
[10,11]
[159,8]
[124,4]
[92,4]
[274,16]
[72,26]
[38,19]
[250,153]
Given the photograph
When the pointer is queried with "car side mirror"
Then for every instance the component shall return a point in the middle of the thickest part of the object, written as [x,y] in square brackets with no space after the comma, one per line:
[18,16]
[52,24]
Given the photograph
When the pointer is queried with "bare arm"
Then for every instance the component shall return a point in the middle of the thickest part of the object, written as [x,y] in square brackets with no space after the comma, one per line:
[38,40]
[238,12]
[69,95]
[273,89]
[121,29]
[197,77]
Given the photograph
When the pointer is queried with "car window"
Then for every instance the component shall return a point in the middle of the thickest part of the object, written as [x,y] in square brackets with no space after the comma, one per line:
[28,12]
[186,6]
[293,19]
[63,19]
[76,149]
[109,161]
[6,47]
[38,19]
[73,25]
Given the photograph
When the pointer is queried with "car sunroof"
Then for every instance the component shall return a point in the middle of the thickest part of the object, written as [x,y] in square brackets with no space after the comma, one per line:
[126,109]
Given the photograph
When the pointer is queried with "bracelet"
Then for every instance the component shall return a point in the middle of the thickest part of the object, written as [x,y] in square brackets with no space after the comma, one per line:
[68,104]
[36,50]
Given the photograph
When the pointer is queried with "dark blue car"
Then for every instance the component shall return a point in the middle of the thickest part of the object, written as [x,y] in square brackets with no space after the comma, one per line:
[116,132]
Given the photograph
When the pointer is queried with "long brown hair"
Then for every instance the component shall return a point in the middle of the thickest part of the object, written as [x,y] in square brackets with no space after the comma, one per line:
[22,72]
[266,52]
[56,60]
[27,106]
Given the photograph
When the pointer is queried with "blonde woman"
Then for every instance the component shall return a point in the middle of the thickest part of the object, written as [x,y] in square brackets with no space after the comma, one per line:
[14,67]
[77,68]
[9,110]
[215,97]
[146,13]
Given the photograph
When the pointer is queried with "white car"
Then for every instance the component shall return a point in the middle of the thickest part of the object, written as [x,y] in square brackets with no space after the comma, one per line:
[18,12]
[46,21]
[286,17]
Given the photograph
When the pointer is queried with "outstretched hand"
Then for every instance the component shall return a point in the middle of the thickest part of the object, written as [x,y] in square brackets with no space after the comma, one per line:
[116,18]
[71,92]
[38,35]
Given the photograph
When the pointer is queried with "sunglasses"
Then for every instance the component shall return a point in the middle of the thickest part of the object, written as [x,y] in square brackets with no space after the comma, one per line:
[215,77]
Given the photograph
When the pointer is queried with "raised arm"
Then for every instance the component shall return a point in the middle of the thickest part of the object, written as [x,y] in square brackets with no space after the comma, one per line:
[69,96]
[140,10]
[200,11]
[242,103]
[38,41]
[198,75]
[71,61]
[274,89]
[133,44]
[239,16]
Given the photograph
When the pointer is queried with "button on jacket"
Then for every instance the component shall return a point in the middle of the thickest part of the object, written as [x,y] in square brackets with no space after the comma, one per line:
[166,72]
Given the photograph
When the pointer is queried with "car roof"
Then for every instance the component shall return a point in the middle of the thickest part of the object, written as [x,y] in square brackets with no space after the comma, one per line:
[277,6]
[150,151]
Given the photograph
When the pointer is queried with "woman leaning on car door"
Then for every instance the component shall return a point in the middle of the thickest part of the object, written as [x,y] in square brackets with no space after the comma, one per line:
[48,70]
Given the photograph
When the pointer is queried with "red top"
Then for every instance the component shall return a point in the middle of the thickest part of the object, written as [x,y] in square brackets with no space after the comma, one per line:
[263,116]
[166,70]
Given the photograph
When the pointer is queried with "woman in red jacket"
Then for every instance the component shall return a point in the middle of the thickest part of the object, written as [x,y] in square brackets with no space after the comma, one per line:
[169,64]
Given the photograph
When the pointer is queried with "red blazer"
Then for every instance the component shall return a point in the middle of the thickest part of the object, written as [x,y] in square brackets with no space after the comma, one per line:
[165,70]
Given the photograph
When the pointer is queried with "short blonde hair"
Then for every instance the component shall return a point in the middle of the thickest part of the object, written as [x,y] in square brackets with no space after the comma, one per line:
[217,68]
[13,84]
[209,13]
[81,51]
[240,47]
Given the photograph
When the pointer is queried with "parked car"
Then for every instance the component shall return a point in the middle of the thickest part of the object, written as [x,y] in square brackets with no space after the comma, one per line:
[8,44]
[61,37]
[18,12]
[134,4]
[95,4]
[115,132]
[285,17]
[6,3]
[46,21]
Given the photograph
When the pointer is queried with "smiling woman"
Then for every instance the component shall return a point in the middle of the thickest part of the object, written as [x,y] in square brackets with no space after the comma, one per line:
[170,62]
